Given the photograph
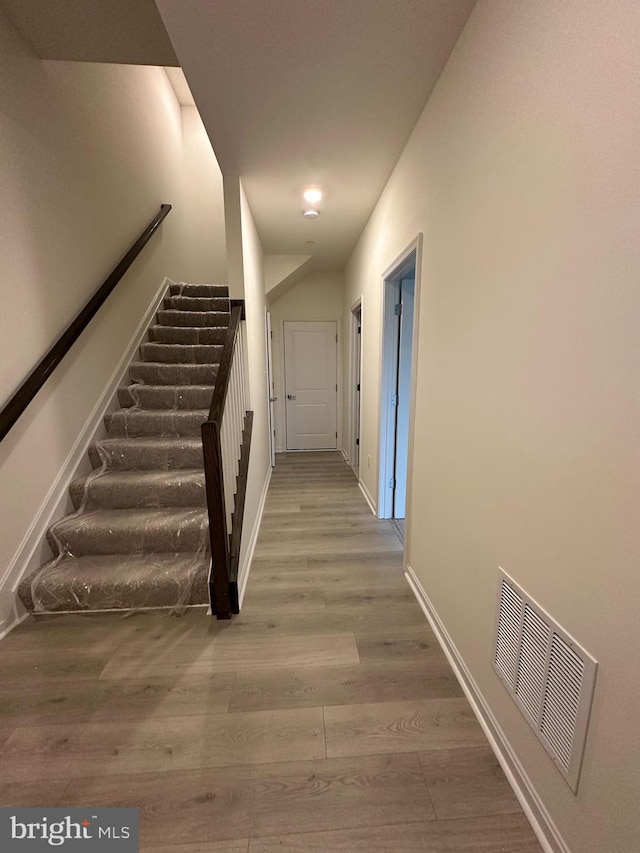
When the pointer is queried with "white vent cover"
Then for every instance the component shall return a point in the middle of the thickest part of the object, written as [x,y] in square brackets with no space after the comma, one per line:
[550,677]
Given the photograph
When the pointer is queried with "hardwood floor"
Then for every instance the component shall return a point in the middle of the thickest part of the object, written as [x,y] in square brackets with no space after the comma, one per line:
[324,718]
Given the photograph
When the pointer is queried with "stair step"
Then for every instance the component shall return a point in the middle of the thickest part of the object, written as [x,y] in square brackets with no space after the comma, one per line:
[181,353]
[158,373]
[210,290]
[140,534]
[166,396]
[130,531]
[171,317]
[197,303]
[147,454]
[187,334]
[136,423]
[137,489]
[119,582]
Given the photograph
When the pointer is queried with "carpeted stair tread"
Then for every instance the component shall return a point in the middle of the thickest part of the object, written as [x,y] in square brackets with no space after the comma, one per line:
[154,397]
[207,290]
[173,317]
[145,454]
[157,373]
[197,303]
[187,335]
[135,423]
[181,353]
[130,489]
[130,531]
[121,582]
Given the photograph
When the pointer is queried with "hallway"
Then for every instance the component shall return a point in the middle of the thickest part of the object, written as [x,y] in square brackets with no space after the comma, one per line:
[323,718]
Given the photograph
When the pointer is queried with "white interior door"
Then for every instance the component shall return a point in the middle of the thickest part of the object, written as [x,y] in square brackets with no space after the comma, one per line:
[310,367]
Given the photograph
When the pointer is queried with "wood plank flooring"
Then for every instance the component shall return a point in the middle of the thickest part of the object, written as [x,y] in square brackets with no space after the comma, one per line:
[323,718]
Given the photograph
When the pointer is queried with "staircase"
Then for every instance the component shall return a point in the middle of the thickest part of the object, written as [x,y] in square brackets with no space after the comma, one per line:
[139,535]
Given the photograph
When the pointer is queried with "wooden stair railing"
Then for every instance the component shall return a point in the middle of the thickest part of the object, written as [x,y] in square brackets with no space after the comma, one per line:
[48,363]
[226,441]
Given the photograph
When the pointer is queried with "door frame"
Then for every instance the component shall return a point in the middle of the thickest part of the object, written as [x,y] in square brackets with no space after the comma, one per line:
[410,257]
[355,373]
[270,388]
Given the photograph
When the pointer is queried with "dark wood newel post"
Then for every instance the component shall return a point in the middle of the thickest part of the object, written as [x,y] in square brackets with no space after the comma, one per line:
[218,535]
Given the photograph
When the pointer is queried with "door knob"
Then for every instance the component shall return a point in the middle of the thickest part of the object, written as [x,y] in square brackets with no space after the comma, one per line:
[291,396]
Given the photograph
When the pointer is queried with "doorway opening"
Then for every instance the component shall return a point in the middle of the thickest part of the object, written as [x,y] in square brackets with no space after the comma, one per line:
[396,415]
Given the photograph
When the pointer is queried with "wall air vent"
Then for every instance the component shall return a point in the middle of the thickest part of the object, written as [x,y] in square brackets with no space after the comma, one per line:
[550,677]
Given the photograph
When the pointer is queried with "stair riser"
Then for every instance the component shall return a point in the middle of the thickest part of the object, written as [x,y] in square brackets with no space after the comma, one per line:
[192,318]
[181,353]
[187,335]
[118,596]
[68,592]
[196,303]
[166,397]
[207,290]
[88,538]
[132,457]
[152,373]
[101,493]
[137,423]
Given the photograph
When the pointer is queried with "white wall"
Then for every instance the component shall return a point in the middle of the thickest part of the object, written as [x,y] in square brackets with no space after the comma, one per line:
[255,304]
[317,297]
[88,153]
[523,174]
[203,208]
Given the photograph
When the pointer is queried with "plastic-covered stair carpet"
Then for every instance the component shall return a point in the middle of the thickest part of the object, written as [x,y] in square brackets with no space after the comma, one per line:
[139,537]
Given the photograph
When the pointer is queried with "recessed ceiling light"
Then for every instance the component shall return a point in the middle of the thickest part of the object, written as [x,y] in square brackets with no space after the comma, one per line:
[311,214]
[313,196]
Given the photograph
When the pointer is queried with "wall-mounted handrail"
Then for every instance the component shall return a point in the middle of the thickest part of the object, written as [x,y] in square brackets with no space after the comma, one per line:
[48,363]
[226,438]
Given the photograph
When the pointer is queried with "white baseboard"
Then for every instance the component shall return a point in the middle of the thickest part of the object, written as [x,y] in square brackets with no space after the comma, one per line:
[541,821]
[33,551]
[368,498]
[344,453]
[245,568]
[14,624]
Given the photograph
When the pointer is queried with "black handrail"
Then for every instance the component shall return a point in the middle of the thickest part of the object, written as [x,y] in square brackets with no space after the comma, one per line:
[224,368]
[48,363]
